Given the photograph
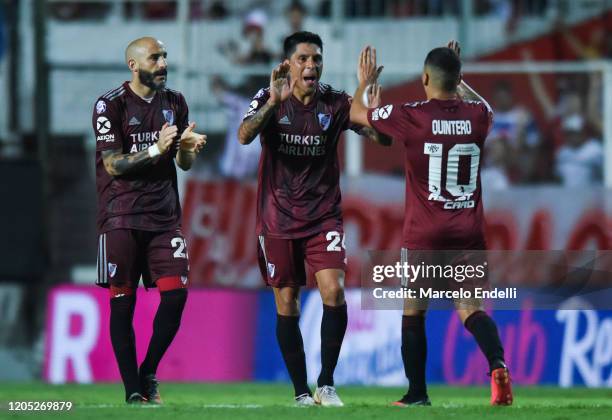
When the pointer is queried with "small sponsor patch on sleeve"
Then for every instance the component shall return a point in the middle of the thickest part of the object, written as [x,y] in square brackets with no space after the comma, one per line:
[100,106]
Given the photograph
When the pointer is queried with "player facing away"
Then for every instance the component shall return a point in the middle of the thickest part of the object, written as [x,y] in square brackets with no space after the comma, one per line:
[299,218]
[442,172]
[141,129]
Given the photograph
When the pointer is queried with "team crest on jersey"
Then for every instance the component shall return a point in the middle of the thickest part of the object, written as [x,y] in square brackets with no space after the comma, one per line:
[168,116]
[100,107]
[271,269]
[324,120]
[112,270]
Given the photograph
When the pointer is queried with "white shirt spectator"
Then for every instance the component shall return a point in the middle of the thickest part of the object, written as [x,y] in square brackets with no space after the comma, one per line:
[238,161]
[494,178]
[580,166]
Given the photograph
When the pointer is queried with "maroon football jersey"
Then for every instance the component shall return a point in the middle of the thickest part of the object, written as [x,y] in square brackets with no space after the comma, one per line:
[299,178]
[444,140]
[146,199]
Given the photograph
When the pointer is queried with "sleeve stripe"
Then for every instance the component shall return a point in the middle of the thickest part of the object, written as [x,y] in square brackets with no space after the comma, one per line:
[111,92]
[121,92]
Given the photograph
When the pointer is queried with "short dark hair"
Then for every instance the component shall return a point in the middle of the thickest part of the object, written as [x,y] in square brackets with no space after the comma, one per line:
[297,6]
[300,37]
[447,64]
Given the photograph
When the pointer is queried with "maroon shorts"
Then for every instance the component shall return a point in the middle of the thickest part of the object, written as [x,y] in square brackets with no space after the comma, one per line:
[124,255]
[282,262]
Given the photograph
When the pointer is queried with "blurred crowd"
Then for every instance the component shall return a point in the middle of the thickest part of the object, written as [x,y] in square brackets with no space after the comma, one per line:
[510,10]
[562,145]
[566,145]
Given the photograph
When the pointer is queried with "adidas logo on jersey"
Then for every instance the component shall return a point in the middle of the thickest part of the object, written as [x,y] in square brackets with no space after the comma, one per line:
[284,121]
[134,121]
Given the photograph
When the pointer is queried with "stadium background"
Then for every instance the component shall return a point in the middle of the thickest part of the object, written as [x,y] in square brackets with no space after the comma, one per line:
[545,66]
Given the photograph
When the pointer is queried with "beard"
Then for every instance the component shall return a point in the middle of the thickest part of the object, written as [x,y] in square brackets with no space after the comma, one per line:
[147,78]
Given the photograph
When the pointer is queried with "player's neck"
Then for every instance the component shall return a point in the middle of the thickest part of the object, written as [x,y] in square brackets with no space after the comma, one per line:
[442,96]
[304,98]
[141,90]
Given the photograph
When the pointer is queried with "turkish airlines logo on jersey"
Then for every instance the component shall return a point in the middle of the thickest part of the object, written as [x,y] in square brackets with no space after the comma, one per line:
[103,125]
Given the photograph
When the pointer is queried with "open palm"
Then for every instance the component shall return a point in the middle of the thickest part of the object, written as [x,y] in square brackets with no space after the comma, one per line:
[281,86]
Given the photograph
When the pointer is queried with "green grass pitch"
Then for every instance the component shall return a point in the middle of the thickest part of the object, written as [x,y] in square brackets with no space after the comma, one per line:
[273,401]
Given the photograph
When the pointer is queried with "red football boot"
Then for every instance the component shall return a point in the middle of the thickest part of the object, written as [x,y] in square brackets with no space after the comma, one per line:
[501,387]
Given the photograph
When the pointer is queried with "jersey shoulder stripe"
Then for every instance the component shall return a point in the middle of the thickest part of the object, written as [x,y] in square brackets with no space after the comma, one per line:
[115,95]
[112,92]
[472,102]
[173,92]
[416,104]
[325,89]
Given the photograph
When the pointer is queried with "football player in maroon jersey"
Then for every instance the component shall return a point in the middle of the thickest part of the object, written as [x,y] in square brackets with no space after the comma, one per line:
[299,121]
[142,129]
[443,137]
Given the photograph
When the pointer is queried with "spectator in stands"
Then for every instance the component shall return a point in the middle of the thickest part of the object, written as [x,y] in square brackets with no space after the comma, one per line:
[572,100]
[237,161]
[79,10]
[514,126]
[579,162]
[494,172]
[253,35]
[217,10]
[295,13]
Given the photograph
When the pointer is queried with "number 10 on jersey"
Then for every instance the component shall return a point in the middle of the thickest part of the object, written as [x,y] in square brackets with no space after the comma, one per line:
[461,192]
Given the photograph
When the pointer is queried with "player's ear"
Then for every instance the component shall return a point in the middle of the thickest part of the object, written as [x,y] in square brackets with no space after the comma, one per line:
[459,79]
[425,79]
[132,65]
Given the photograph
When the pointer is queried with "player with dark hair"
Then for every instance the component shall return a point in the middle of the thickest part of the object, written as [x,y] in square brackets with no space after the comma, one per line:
[137,128]
[443,137]
[299,217]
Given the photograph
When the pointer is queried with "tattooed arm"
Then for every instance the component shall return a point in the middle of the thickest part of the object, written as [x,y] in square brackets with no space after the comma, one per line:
[250,128]
[466,92]
[117,163]
[375,136]
[281,89]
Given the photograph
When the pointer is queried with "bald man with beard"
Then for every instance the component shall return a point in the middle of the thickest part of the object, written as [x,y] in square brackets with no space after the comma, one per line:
[142,128]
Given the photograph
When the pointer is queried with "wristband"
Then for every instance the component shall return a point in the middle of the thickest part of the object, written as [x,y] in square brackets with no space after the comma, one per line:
[153,151]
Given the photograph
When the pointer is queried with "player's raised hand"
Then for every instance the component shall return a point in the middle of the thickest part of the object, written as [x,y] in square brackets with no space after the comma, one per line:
[281,85]
[192,141]
[374,92]
[367,69]
[454,45]
[167,134]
